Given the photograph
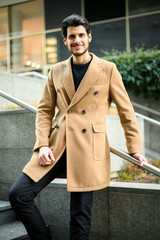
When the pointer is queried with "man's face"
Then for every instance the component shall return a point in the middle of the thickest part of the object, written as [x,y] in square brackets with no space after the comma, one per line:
[77,40]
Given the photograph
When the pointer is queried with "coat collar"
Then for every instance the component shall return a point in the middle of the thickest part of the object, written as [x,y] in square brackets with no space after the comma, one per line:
[87,82]
[67,79]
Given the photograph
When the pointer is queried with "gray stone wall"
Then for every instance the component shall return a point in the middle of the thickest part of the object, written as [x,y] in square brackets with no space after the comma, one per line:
[120,212]
[17,136]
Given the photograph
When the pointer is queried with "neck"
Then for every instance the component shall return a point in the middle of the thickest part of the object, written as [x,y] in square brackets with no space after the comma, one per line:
[81,59]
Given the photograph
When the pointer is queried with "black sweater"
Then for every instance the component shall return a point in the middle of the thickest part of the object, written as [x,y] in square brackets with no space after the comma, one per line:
[78,71]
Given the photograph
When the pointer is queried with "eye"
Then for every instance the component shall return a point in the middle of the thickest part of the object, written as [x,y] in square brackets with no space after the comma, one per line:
[71,36]
[81,34]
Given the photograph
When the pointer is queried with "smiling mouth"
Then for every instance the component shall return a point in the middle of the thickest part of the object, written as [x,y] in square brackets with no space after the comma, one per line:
[77,46]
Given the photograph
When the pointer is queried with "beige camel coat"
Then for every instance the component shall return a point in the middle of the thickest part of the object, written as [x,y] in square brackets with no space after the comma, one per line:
[80,125]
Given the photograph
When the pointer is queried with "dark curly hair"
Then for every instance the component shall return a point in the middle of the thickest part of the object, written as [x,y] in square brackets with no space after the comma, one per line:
[74,20]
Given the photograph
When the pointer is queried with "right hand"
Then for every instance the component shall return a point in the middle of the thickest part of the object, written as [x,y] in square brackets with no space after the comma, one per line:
[45,156]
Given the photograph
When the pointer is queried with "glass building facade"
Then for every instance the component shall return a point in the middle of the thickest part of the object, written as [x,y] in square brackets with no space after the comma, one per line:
[30,34]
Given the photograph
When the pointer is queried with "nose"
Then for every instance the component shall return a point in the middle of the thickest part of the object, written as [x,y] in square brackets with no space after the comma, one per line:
[77,40]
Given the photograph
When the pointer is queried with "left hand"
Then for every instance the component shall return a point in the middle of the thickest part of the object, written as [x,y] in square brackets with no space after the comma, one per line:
[141,159]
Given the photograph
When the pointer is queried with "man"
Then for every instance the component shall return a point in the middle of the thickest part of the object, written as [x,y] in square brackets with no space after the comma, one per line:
[82,89]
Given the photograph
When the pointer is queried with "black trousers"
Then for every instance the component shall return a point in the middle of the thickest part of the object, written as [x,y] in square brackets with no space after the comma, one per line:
[22,195]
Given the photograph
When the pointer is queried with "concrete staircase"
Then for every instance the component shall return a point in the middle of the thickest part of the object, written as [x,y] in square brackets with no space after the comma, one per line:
[10,227]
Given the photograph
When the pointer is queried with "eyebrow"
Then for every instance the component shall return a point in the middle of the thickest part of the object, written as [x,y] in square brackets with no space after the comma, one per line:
[72,34]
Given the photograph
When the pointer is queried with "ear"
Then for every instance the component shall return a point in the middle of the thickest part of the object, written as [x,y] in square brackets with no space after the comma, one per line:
[90,37]
[65,41]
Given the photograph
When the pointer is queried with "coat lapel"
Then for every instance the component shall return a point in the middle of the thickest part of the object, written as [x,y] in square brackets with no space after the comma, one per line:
[86,83]
[67,79]
[88,80]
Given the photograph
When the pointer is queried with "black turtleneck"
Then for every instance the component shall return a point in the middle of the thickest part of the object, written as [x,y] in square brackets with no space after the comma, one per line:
[78,71]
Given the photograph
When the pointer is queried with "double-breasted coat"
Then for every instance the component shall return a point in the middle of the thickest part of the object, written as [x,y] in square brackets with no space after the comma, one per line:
[80,125]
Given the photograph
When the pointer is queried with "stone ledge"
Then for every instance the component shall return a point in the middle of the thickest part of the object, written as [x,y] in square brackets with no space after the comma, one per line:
[144,188]
[4,205]
[62,183]
[15,111]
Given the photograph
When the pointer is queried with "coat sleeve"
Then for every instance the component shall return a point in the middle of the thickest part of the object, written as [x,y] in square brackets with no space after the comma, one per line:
[45,113]
[126,112]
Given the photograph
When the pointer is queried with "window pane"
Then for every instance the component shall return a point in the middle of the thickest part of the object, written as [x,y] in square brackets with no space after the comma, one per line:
[108,36]
[3,22]
[51,49]
[142,6]
[56,11]
[145,30]
[27,52]
[102,9]
[27,18]
[55,49]
[3,55]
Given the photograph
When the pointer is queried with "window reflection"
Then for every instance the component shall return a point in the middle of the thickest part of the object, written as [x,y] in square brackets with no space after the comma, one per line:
[3,55]
[108,36]
[142,6]
[26,18]
[51,50]
[55,49]
[102,9]
[3,22]
[56,11]
[27,52]
[145,31]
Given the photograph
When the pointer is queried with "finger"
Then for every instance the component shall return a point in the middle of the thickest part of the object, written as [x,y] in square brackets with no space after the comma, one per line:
[51,156]
[44,160]
[47,160]
[136,166]
[139,157]
[41,161]
[141,161]
[145,159]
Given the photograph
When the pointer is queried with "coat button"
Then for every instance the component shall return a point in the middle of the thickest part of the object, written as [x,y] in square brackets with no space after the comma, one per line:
[58,90]
[69,111]
[57,126]
[83,112]
[96,92]
[84,130]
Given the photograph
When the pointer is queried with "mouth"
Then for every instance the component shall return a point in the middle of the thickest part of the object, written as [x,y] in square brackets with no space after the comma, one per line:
[77,46]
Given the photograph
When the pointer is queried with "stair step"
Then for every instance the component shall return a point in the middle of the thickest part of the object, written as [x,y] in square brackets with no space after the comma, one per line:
[13,231]
[4,205]
[6,213]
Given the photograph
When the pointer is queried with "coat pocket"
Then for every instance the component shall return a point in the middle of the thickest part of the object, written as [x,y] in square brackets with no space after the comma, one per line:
[99,141]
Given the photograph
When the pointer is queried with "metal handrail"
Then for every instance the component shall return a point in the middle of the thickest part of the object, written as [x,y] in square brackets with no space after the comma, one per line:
[155,122]
[18,101]
[146,166]
[33,73]
[146,108]
[151,120]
